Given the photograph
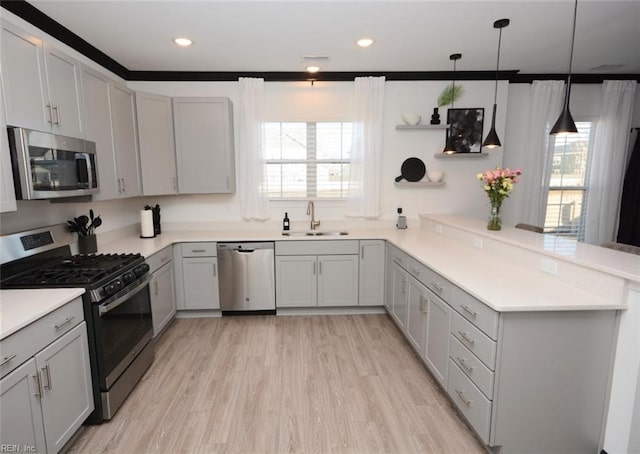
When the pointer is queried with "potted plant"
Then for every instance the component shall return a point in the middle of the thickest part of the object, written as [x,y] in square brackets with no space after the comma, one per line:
[85,227]
[450,94]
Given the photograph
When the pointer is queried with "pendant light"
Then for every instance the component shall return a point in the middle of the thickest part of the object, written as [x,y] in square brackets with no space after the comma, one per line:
[565,123]
[450,146]
[492,140]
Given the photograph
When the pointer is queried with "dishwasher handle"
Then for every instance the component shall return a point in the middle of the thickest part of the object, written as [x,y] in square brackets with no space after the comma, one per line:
[245,251]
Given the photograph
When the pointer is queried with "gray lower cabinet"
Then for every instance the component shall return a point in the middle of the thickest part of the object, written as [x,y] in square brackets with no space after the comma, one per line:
[371,287]
[197,277]
[46,399]
[317,273]
[512,375]
[163,305]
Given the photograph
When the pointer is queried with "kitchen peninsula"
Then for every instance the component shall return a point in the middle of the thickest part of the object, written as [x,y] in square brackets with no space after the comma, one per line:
[553,309]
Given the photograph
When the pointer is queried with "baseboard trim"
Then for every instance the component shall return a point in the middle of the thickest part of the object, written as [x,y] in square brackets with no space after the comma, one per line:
[297,311]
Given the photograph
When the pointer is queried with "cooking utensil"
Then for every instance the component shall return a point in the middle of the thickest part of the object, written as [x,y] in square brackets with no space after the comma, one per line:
[412,170]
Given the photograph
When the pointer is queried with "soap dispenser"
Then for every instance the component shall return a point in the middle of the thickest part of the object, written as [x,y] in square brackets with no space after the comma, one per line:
[402,220]
[285,222]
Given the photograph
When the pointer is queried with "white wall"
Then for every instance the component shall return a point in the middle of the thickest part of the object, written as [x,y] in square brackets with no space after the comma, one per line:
[333,101]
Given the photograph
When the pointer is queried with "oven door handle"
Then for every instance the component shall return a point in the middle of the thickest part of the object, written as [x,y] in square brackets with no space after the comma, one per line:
[110,305]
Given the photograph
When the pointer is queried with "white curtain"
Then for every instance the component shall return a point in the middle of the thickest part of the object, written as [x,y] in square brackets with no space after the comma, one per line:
[546,103]
[254,198]
[608,161]
[363,199]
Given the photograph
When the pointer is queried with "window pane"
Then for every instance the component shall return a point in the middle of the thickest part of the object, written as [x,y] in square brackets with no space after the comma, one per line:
[294,180]
[329,140]
[294,141]
[569,167]
[564,212]
[347,134]
[273,143]
[330,180]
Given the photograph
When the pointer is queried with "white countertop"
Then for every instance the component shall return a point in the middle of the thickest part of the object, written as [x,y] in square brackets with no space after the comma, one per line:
[19,308]
[505,287]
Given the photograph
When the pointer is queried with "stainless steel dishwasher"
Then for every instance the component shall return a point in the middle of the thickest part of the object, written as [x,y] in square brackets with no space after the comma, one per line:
[246,277]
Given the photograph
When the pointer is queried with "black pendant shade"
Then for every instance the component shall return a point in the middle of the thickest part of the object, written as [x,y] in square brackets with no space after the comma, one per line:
[492,140]
[450,145]
[565,124]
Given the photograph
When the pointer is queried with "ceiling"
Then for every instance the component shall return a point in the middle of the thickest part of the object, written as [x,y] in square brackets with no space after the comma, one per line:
[409,35]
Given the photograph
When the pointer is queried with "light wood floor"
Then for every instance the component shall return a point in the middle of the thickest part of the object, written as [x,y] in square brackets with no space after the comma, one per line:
[323,384]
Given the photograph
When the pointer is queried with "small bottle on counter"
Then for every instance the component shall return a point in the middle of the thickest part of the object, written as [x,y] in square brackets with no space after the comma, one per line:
[402,220]
[285,222]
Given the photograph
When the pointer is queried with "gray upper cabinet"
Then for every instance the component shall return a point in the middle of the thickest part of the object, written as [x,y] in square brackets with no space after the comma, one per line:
[110,119]
[204,145]
[157,146]
[41,84]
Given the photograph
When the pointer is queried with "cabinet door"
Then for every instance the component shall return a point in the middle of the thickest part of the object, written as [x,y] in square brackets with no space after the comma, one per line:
[63,77]
[204,145]
[388,280]
[338,280]
[67,398]
[163,306]
[371,291]
[200,283]
[296,281]
[157,145]
[125,139]
[97,111]
[21,423]
[7,192]
[400,295]
[417,315]
[24,79]
[436,353]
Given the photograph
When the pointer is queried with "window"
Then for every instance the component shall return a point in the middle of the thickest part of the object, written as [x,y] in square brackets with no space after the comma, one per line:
[568,185]
[308,159]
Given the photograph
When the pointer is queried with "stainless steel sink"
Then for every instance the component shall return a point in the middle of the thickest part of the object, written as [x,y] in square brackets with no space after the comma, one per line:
[314,233]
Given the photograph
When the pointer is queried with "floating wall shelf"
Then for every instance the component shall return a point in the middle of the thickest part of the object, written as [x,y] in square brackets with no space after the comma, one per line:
[419,184]
[460,155]
[419,127]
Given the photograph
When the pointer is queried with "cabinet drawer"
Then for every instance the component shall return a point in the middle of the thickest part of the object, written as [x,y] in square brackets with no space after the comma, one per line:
[472,367]
[436,283]
[472,338]
[476,312]
[470,401]
[160,258]
[199,249]
[34,337]
[318,247]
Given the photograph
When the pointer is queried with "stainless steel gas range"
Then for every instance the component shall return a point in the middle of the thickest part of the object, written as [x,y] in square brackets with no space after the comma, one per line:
[117,305]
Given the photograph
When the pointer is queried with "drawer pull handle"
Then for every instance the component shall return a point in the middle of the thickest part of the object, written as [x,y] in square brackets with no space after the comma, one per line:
[424,304]
[7,359]
[66,320]
[164,259]
[462,397]
[466,337]
[465,365]
[438,288]
[468,310]
[416,271]
[198,250]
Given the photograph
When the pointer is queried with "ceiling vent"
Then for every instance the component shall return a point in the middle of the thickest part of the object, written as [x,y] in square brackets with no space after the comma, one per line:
[314,58]
[608,67]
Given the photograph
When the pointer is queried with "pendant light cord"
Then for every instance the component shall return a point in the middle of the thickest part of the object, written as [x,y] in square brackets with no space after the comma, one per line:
[573,39]
[453,83]
[495,92]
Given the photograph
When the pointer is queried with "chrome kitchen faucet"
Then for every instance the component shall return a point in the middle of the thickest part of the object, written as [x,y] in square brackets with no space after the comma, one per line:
[311,211]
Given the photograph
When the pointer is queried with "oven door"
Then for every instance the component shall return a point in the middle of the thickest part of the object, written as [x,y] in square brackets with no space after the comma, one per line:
[123,327]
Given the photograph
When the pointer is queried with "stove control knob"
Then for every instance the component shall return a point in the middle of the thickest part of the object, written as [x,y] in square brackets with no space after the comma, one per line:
[113,287]
[128,277]
[141,269]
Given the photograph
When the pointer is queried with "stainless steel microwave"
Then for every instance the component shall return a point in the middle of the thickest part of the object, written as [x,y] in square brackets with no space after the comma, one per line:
[49,166]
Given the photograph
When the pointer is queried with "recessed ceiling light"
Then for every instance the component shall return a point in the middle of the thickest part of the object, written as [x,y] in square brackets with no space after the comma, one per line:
[184,42]
[364,42]
[313,69]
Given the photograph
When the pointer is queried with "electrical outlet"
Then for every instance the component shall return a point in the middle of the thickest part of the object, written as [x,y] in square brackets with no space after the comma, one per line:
[550,266]
[477,242]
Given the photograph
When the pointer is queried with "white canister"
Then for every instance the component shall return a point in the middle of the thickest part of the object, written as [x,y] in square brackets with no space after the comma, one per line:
[146,224]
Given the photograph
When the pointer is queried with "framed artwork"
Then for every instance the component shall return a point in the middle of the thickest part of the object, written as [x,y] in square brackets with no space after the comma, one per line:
[465,126]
